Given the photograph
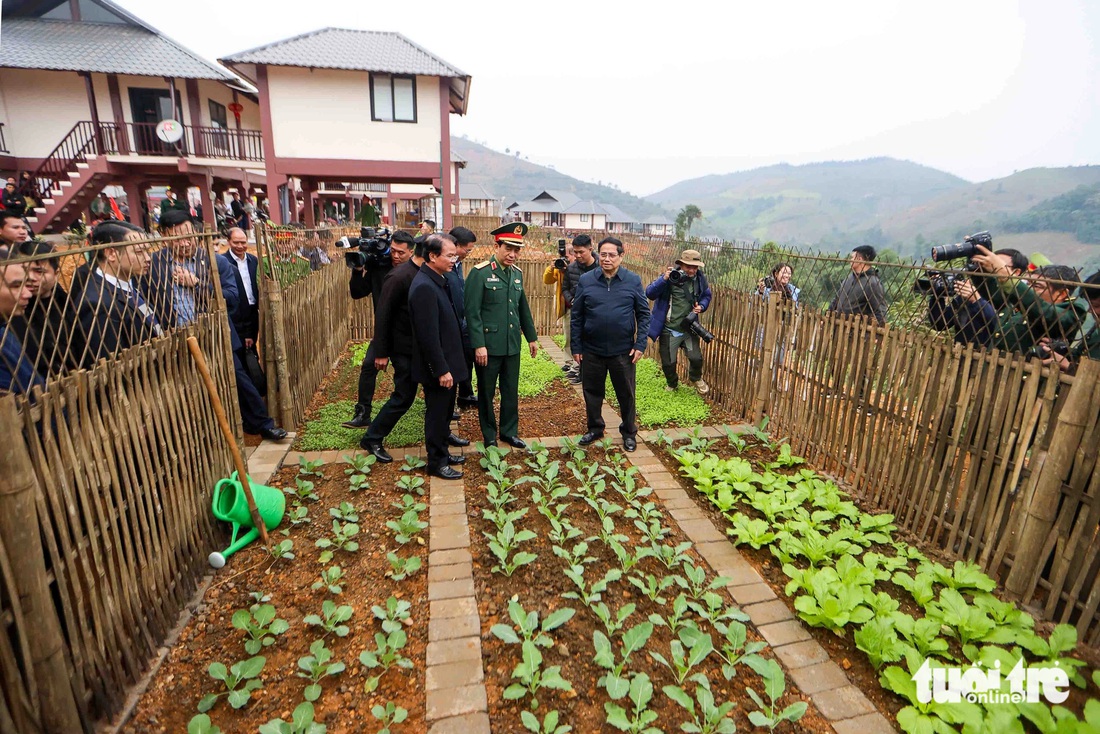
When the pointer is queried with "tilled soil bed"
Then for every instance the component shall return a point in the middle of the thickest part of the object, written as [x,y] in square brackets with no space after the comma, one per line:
[344,706]
[557,411]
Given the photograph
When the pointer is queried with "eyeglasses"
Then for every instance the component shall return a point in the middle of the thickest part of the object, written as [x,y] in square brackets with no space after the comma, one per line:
[609,255]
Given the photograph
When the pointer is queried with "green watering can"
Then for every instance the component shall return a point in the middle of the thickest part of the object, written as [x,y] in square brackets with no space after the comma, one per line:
[229,505]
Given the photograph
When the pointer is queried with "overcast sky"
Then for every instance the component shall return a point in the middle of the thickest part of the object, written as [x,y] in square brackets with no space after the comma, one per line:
[619,92]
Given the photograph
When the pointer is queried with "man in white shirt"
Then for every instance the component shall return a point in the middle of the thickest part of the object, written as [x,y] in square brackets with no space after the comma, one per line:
[247,316]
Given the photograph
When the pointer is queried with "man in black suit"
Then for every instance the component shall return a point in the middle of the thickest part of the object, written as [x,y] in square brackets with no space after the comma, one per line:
[464,241]
[244,265]
[438,362]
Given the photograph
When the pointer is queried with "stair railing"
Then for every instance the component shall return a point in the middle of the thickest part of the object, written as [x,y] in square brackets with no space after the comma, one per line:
[72,149]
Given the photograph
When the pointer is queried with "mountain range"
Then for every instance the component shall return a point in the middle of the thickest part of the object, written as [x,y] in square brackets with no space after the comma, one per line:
[831,206]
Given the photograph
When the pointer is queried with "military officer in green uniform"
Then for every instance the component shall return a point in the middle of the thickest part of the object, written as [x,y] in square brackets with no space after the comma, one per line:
[499,319]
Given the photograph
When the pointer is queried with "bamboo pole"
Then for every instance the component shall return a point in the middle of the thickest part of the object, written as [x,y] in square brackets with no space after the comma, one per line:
[278,334]
[1040,512]
[19,526]
[767,366]
[227,433]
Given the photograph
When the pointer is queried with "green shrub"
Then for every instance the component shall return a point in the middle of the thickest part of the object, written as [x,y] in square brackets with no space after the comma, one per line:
[658,407]
[535,375]
[359,353]
[325,433]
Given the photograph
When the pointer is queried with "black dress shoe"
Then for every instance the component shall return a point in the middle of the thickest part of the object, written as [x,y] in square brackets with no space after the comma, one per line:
[361,418]
[453,460]
[589,438]
[467,401]
[273,434]
[514,442]
[630,443]
[456,416]
[376,450]
[447,472]
[456,440]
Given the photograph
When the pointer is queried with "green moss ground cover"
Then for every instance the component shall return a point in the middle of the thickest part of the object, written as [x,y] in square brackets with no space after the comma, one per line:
[325,433]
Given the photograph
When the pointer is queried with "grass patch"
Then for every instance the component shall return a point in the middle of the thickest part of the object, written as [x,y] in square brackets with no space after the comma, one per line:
[325,433]
[559,339]
[658,407]
[535,375]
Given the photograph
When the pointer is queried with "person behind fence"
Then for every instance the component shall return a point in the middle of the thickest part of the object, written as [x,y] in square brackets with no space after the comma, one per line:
[1088,346]
[17,373]
[499,318]
[13,230]
[112,311]
[779,280]
[245,265]
[49,327]
[13,201]
[610,323]
[178,285]
[1044,306]
[679,292]
[583,262]
[464,241]
[367,280]
[438,362]
[555,275]
[955,303]
[861,293]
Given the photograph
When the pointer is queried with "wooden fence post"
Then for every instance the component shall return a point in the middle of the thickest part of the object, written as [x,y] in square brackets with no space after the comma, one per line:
[20,528]
[278,334]
[767,366]
[1056,463]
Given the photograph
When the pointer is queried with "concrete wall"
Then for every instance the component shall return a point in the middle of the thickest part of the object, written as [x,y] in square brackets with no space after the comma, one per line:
[39,108]
[326,113]
[595,221]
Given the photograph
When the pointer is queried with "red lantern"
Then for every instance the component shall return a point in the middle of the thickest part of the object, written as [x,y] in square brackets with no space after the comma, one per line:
[236,108]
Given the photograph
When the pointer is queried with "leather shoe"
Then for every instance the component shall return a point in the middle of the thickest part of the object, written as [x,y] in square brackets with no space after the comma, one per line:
[456,416]
[447,472]
[630,443]
[376,450]
[589,438]
[514,442]
[453,460]
[273,434]
[467,401]
[456,440]
[360,419]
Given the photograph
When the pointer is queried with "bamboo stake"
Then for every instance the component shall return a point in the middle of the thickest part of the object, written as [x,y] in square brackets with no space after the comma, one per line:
[278,333]
[227,433]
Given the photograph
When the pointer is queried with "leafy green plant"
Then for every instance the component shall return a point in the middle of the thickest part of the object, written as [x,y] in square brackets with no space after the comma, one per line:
[531,678]
[283,549]
[239,682]
[922,634]
[640,692]
[502,545]
[651,586]
[734,648]
[775,683]
[402,568]
[394,615]
[612,621]
[785,458]
[201,724]
[260,626]
[931,716]
[325,432]
[549,724]
[962,576]
[669,555]
[710,717]
[359,464]
[301,722]
[412,463]
[410,483]
[331,578]
[694,580]
[919,585]
[633,639]
[342,539]
[386,655]
[303,490]
[679,616]
[406,527]
[409,503]
[307,468]
[736,441]
[813,546]
[526,627]
[298,514]
[317,666]
[692,647]
[258,598]
[389,715]
[346,511]
[753,531]
[589,594]
[358,482]
[879,639]
[332,618]
[967,622]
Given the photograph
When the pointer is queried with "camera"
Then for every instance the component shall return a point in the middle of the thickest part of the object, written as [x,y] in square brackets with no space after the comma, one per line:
[693,325]
[370,250]
[967,248]
[561,262]
[1044,351]
[937,283]
[676,276]
[769,282]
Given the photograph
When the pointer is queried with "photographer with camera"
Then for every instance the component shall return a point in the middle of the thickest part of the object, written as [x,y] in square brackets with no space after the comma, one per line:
[584,261]
[779,280]
[679,296]
[555,275]
[956,303]
[1043,305]
[1088,346]
[371,258]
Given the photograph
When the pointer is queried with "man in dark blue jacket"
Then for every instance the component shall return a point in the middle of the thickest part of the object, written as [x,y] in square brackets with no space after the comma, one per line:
[673,303]
[464,241]
[609,325]
[437,362]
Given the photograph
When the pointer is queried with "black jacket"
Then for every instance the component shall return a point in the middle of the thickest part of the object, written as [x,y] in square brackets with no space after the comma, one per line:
[610,317]
[368,282]
[862,295]
[392,326]
[246,318]
[436,329]
[111,319]
[456,282]
[573,273]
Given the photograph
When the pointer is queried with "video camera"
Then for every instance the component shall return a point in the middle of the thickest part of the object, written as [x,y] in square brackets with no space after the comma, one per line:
[693,325]
[967,248]
[370,250]
[561,263]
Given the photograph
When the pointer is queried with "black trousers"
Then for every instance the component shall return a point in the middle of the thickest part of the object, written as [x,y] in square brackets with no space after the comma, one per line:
[368,379]
[254,414]
[404,392]
[439,404]
[594,372]
[466,387]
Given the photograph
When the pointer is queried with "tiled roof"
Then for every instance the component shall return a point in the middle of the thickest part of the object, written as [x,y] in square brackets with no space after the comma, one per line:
[658,220]
[584,207]
[476,191]
[615,214]
[342,48]
[544,205]
[31,43]
[565,198]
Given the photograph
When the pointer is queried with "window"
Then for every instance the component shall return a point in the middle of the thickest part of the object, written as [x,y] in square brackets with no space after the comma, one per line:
[584,217]
[393,98]
[218,117]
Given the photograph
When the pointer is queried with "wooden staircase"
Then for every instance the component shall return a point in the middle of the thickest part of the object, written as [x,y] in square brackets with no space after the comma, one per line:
[61,206]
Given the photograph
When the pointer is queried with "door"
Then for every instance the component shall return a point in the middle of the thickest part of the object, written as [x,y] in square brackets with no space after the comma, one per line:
[148,107]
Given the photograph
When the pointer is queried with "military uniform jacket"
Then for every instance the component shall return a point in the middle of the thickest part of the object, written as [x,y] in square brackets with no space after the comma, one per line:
[1035,318]
[497,314]
[1087,347]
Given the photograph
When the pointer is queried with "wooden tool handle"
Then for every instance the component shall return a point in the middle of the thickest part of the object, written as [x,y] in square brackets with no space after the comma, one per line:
[227,434]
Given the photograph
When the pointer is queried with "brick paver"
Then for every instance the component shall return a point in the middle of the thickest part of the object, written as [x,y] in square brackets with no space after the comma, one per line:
[874,723]
[842,703]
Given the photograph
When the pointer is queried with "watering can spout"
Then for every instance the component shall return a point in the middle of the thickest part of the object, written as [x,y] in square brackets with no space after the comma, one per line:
[230,505]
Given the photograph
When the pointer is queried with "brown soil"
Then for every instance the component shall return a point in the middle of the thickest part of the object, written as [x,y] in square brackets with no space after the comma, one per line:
[171,700]
[539,587]
[558,411]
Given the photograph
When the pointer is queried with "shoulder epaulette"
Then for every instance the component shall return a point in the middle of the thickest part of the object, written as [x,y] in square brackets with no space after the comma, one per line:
[482,264]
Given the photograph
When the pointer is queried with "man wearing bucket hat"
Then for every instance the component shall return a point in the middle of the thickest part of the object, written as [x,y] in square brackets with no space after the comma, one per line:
[498,318]
[680,291]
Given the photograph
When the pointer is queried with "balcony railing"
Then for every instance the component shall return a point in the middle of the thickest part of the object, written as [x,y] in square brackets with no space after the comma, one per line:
[140,138]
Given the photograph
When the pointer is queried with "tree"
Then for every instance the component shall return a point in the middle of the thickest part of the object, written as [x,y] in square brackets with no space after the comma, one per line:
[685,219]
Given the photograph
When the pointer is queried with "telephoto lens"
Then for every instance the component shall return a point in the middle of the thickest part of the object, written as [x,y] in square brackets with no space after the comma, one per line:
[676,276]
